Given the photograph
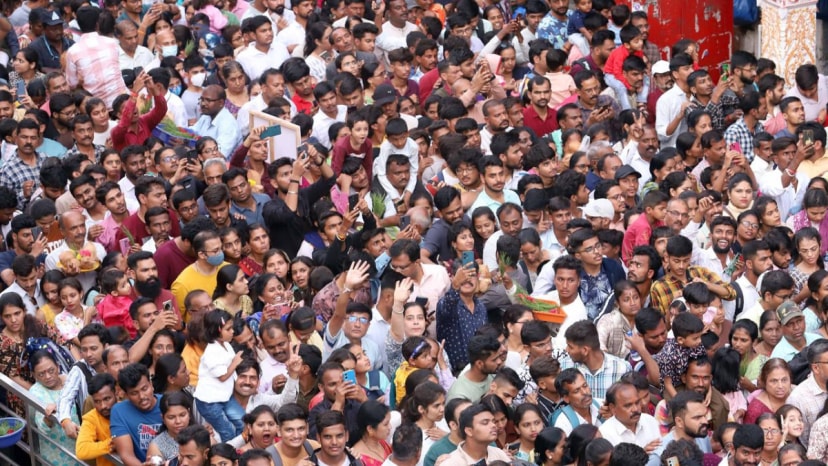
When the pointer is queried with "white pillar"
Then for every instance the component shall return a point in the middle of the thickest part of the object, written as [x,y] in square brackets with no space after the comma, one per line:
[788,34]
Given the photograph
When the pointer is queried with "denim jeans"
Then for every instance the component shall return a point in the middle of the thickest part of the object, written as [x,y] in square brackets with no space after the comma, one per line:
[215,414]
[235,413]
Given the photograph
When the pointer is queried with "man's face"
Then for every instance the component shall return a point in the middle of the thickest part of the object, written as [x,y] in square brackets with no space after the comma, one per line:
[794,329]
[722,238]
[589,91]
[559,7]
[603,51]
[516,115]
[247,383]
[294,432]
[494,178]
[356,325]
[240,190]
[540,94]
[639,269]
[648,145]
[28,282]
[703,86]
[511,222]
[304,87]
[24,240]
[327,103]
[104,400]
[498,119]
[761,263]
[663,81]
[656,338]
[794,113]
[156,197]
[331,380]
[643,26]
[746,73]
[6,110]
[92,350]
[567,282]
[453,212]
[682,73]
[678,265]
[342,39]
[776,94]
[483,429]
[398,175]
[190,454]
[333,439]
[74,229]
[129,38]
[428,60]
[678,216]
[611,165]
[85,196]
[159,227]
[27,140]
[629,185]
[211,102]
[142,396]
[135,166]
[635,78]
[626,408]
[145,270]
[744,456]
[580,395]
[220,214]
[53,33]
[572,118]
[116,360]
[695,420]
[698,377]
[277,345]
[65,116]
[58,84]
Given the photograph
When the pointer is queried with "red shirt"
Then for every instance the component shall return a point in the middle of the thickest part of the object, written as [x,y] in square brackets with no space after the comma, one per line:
[302,105]
[638,234]
[121,134]
[533,121]
[139,229]
[342,149]
[170,261]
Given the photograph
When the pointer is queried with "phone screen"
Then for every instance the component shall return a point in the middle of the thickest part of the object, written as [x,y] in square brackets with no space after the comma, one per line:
[405,220]
[36,232]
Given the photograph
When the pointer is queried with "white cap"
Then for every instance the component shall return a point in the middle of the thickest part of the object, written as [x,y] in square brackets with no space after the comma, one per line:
[599,208]
[661,67]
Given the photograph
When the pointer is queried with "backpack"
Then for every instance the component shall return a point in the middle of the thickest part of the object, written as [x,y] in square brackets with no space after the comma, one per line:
[800,367]
[277,459]
[373,389]
[570,414]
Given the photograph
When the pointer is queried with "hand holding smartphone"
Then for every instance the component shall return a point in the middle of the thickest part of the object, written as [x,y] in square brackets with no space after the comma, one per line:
[349,376]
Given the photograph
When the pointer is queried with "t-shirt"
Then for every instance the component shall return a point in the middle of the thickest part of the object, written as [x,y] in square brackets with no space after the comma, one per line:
[472,391]
[171,261]
[141,426]
[441,447]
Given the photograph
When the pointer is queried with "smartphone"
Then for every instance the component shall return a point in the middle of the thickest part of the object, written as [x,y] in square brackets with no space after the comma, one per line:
[725,67]
[520,17]
[271,131]
[737,147]
[513,446]
[21,89]
[349,376]
[353,200]
[708,316]
[191,154]
[422,301]
[673,461]
[808,136]
[168,305]
[467,257]
[405,220]
[36,232]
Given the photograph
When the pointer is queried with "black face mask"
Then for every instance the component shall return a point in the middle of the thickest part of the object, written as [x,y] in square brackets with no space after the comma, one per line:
[149,289]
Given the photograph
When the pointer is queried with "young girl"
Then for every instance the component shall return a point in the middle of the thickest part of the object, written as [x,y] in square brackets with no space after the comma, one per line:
[113,309]
[485,224]
[528,424]
[726,380]
[277,262]
[74,316]
[790,418]
[425,407]
[231,244]
[814,312]
[550,446]
[416,352]
[217,373]
[300,270]
[49,288]
[232,291]
[375,382]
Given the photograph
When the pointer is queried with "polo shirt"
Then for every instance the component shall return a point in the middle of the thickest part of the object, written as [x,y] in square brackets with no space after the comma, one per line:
[534,122]
[646,431]
[786,351]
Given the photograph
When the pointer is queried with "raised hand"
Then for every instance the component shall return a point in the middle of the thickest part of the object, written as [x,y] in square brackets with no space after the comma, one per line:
[402,292]
[357,275]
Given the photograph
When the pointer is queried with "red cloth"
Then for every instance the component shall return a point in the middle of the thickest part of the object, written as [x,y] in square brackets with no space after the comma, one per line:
[615,63]
[342,149]
[534,122]
[114,311]
[139,229]
[638,234]
[170,261]
[122,136]
[302,105]
[427,84]
[238,160]
[652,98]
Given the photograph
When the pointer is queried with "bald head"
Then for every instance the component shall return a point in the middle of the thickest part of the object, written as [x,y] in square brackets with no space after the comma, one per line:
[73,227]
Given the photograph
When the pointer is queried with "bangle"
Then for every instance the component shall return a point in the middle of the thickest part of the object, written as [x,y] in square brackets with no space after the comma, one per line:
[341,238]
[345,289]
[293,192]
[294,181]
[789,172]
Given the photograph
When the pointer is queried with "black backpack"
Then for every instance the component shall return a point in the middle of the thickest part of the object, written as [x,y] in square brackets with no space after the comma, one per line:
[800,367]
[277,458]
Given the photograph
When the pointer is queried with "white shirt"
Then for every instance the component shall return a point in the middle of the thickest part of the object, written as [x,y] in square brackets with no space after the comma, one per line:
[214,362]
[760,167]
[812,107]
[243,116]
[646,431]
[31,308]
[563,422]
[322,122]
[786,197]
[176,109]
[293,34]
[142,57]
[575,311]
[270,368]
[667,107]
[128,189]
[255,62]
[378,329]
[750,294]
[392,38]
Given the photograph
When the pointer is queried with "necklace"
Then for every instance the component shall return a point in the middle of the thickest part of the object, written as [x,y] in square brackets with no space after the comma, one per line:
[373,450]
[15,338]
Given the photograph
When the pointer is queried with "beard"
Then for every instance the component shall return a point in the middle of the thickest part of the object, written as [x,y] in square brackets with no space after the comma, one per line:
[149,289]
[719,250]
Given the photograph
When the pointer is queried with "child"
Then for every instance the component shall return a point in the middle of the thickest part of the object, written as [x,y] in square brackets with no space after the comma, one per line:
[114,307]
[611,240]
[217,373]
[561,83]
[397,142]
[356,144]
[677,352]
[528,422]
[544,371]
[639,232]
[375,383]
[593,22]
[576,20]
[726,380]
[632,43]
[416,353]
[619,17]
[74,316]
[708,307]
[790,419]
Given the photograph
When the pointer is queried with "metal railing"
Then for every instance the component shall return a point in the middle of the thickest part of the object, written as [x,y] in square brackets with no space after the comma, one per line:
[34,437]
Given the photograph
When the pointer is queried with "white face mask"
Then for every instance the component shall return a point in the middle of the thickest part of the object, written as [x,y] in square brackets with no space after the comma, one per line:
[169,50]
[197,79]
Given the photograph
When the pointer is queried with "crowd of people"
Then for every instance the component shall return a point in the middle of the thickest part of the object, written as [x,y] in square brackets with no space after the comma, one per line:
[177,291]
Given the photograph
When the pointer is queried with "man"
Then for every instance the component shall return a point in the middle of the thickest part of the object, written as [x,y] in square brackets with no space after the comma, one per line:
[478,431]
[651,51]
[350,320]
[176,110]
[216,200]
[794,337]
[23,243]
[552,27]
[83,135]
[143,271]
[246,396]
[808,395]
[538,116]
[328,114]
[293,34]
[748,441]
[136,420]
[201,275]
[273,85]
[52,44]
[73,228]
[275,342]
[244,201]
[324,301]
[783,182]
[642,270]
[293,444]
[394,37]
[150,192]
[131,55]
[22,170]
[757,256]
[793,112]
[407,446]
[601,45]
[628,423]
[431,281]
[580,407]
[447,444]
[340,396]
[689,423]
[26,283]
[719,255]
[565,274]
[484,355]
[193,446]
[333,435]
[817,164]
[670,121]
[707,96]
[494,193]
[598,272]
[95,437]
[749,125]
[698,379]
[82,189]
[216,121]
[811,90]
[94,339]
[146,321]
[449,206]
[584,350]
[134,163]
[497,121]
[263,52]
[93,61]
[772,87]
[595,108]
[777,287]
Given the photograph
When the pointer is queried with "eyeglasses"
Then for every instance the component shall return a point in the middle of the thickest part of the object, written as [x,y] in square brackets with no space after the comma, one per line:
[361,320]
[400,268]
[749,224]
[678,214]
[591,249]
[618,197]
[210,150]
[70,113]
[463,170]
[771,432]
[784,297]
[169,159]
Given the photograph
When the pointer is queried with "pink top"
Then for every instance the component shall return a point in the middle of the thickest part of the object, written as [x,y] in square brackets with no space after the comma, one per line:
[217,20]
[562,86]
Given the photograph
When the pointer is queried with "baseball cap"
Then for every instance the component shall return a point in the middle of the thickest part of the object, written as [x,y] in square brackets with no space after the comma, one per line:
[599,208]
[385,94]
[411,4]
[51,18]
[788,311]
[625,171]
[661,67]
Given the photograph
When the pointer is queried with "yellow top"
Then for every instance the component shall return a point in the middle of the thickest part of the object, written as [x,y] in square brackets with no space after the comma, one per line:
[94,439]
[400,377]
[190,279]
[192,356]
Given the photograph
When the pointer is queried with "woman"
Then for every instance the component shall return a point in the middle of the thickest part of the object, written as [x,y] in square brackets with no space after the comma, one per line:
[818,290]
[318,49]
[769,216]
[222,454]
[25,69]
[111,162]
[614,326]
[743,337]
[373,74]
[533,256]
[770,332]
[579,162]
[747,228]
[231,245]
[207,148]
[373,421]
[236,82]
[699,122]
[726,380]
[808,259]
[49,288]
[300,271]
[689,146]
[484,225]
[347,62]
[676,183]
[270,300]
[163,342]
[161,24]
[277,262]
[259,428]
[814,206]
[577,442]
[528,421]
[513,319]
[18,327]
[425,407]
[302,325]
[171,374]
[176,414]
[775,382]
[259,243]
[506,76]
[550,445]
[46,390]
[773,438]
[231,292]
[664,163]
[501,417]
[740,194]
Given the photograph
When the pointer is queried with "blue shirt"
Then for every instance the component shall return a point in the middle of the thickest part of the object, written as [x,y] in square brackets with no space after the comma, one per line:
[223,128]
[251,216]
[576,22]
[456,325]
[553,30]
[141,426]
[787,352]
[52,148]
[47,56]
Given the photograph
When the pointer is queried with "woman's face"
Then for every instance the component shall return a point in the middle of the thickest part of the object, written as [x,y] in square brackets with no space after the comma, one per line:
[778,384]
[50,291]
[434,412]
[773,434]
[378,77]
[704,125]
[772,333]
[582,166]
[557,454]
[407,107]
[21,65]
[507,60]
[771,216]
[383,429]
[808,250]
[300,273]
[70,298]
[531,253]
[629,303]
[363,364]
[464,242]
[263,430]
[741,195]
[277,265]
[747,229]
[414,320]
[162,25]
[237,40]
[260,243]
[529,426]
[496,18]
[112,165]
[239,286]
[273,292]
[741,342]
[163,345]
[696,149]
[516,327]
[669,167]
[182,377]
[47,373]
[176,419]
[500,421]
[324,44]
[232,247]
[686,185]
[793,423]
[484,226]
[816,214]
[235,82]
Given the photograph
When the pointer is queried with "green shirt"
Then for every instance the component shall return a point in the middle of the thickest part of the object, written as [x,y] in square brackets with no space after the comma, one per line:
[465,388]
[441,447]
